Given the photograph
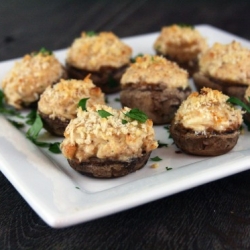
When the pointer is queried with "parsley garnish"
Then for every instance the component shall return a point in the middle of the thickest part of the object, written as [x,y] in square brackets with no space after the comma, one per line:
[236,101]
[33,132]
[167,168]
[184,25]
[82,103]
[16,124]
[103,113]
[91,33]
[35,129]
[133,59]
[161,145]
[117,99]
[124,121]
[44,52]
[136,114]
[55,148]
[156,158]
[31,117]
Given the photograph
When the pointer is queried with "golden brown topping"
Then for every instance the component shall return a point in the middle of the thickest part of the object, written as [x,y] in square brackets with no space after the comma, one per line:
[155,70]
[98,50]
[208,110]
[29,77]
[180,43]
[92,134]
[61,100]
[230,62]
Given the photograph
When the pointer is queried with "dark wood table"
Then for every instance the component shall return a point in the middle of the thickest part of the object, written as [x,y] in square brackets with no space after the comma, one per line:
[212,216]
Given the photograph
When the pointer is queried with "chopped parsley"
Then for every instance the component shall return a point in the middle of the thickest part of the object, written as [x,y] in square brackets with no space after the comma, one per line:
[184,25]
[91,33]
[44,52]
[236,101]
[82,103]
[167,168]
[156,158]
[161,145]
[33,132]
[133,59]
[103,113]
[136,114]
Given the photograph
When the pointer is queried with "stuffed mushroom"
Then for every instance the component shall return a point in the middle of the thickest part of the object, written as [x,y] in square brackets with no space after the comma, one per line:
[58,103]
[155,85]
[225,67]
[30,76]
[103,142]
[103,55]
[206,124]
[182,44]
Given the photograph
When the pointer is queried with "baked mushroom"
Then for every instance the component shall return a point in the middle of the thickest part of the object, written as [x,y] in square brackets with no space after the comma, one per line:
[58,103]
[29,77]
[182,44]
[103,55]
[224,67]
[156,86]
[206,124]
[103,142]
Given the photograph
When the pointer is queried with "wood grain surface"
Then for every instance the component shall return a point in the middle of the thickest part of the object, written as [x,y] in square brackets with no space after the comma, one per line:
[211,216]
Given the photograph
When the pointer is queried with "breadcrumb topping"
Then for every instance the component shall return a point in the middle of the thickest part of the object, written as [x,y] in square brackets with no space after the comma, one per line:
[29,77]
[90,135]
[208,110]
[95,51]
[180,43]
[227,62]
[61,100]
[247,94]
[149,69]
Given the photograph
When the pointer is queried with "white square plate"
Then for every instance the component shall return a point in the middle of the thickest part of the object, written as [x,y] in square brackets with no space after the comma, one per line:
[63,197]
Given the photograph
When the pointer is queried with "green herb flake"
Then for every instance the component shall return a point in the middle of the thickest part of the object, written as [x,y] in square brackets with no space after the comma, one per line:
[91,33]
[161,145]
[156,158]
[133,59]
[77,188]
[117,99]
[236,101]
[35,129]
[103,113]
[124,121]
[16,124]
[55,148]
[82,103]
[136,114]
[167,168]
[184,25]
[31,117]
[43,51]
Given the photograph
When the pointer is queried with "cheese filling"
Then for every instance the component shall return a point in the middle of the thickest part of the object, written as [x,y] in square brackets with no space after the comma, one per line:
[227,62]
[91,135]
[149,69]
[29,77]
[91,52]
[208,110]
[61,100]
[180,43]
